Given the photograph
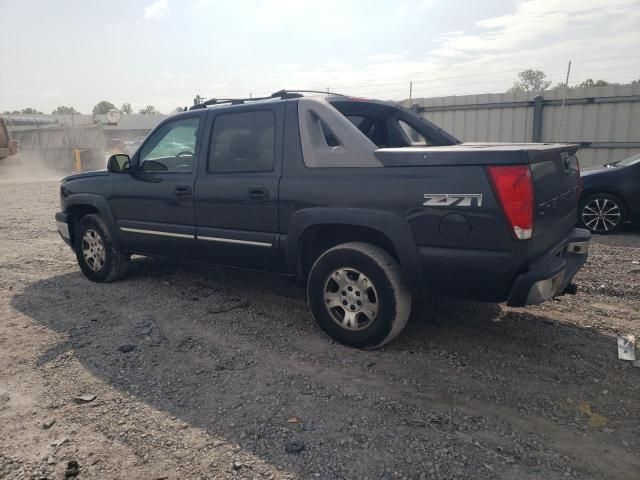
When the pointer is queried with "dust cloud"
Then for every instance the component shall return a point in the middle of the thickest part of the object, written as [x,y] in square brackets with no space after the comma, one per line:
[20,169]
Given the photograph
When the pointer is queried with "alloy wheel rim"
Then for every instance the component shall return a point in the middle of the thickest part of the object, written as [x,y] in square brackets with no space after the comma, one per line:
[601,215]
[93,250]
[351,299]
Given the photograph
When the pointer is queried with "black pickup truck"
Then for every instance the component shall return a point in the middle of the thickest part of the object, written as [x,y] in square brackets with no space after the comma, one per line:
[363,200]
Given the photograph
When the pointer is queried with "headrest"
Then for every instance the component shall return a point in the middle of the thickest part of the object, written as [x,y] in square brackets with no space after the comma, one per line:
[243,146]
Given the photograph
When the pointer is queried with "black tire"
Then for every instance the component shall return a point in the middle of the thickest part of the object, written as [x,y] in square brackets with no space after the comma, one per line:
[387,300]
[115,262]
[591,205]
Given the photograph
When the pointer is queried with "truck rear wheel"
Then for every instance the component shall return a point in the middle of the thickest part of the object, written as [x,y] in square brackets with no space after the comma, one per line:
[98,255]
[357,295]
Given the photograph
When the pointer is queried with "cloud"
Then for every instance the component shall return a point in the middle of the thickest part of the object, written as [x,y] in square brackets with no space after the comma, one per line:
[386,57]
[446,52]
[411,8]
[403,9]
[486,58]
[157,9]
[535,21]
[261,46]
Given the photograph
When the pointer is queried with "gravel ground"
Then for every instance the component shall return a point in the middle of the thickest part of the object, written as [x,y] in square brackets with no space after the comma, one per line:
[200,373]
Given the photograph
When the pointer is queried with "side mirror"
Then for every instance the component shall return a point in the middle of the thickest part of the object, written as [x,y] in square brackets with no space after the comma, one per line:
[118,163]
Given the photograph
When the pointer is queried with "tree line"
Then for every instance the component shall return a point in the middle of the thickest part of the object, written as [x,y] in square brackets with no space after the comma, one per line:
[104,106]
[100,108]
[530,80]
[535,81]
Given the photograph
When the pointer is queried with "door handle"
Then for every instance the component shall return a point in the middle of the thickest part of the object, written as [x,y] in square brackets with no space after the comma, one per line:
[183,191]
[258,194]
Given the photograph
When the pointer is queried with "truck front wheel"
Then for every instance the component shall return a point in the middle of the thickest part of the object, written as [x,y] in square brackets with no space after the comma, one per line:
[357,295]
[98,255]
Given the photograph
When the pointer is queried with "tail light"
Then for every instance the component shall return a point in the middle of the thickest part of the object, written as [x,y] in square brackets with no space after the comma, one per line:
[514,189]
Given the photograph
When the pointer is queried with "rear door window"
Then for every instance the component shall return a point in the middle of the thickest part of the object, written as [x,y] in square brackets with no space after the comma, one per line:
[243,142]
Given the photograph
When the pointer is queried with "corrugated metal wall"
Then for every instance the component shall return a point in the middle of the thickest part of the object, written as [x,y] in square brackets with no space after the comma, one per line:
[606,120]
[52,139]
[508,124]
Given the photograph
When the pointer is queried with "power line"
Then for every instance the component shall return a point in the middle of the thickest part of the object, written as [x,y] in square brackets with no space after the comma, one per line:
[553,75]
[434,91]
[419,80]
[375,89]
[484,74]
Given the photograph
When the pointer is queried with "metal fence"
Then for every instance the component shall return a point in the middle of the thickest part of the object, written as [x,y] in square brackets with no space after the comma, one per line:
[605,121]
[55,141]
[55,146]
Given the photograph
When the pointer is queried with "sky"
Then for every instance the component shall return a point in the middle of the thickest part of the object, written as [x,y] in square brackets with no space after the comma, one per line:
[164,52]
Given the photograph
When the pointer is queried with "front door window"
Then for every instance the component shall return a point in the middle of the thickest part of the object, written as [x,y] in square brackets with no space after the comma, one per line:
[172,147]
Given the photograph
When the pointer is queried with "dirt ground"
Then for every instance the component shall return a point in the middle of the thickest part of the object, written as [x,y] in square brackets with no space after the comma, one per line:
[201,374]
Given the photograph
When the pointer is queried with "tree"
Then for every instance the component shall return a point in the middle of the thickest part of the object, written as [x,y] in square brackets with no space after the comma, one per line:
[590,83]
[30,111]
[126,108]
[62,110]
[149,110]
[103,107]
[533,81]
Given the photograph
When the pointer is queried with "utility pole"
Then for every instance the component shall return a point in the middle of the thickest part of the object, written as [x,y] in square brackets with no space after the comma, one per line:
[564,99]
[410,90]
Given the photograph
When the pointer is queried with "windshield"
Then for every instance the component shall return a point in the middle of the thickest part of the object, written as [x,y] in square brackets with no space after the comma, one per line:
[629,161]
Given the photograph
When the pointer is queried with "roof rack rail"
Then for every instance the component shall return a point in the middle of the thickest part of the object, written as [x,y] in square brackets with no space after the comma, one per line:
[295,92]
[282,94]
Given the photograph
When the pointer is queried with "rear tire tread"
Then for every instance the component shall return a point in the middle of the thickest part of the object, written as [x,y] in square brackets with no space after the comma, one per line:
[393,272]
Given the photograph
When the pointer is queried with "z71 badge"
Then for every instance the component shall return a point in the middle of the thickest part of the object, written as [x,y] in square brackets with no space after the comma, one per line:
[452,199]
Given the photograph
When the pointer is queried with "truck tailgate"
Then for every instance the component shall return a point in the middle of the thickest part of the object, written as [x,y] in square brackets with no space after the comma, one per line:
[554,172]
[556,182]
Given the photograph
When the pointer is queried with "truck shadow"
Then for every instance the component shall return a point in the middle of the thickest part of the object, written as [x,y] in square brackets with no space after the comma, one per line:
[237,354]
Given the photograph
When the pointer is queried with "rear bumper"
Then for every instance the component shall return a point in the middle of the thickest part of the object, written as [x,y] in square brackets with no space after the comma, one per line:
[62,222]
[496,276]
[551,274]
